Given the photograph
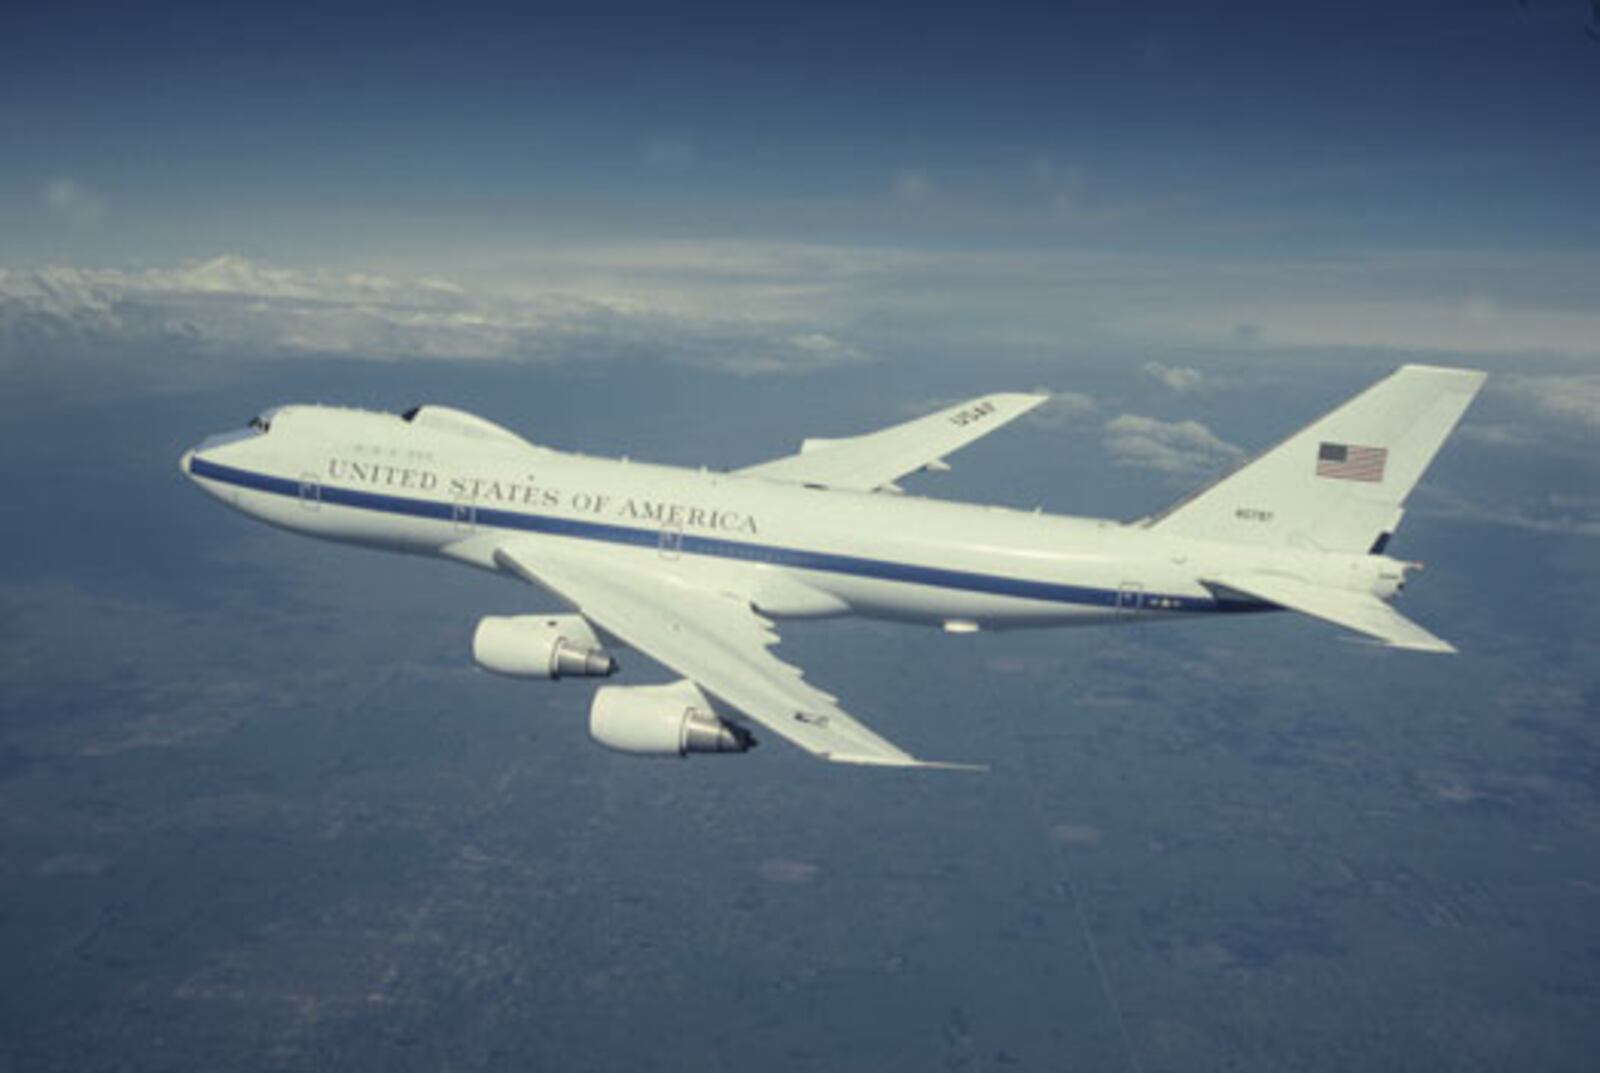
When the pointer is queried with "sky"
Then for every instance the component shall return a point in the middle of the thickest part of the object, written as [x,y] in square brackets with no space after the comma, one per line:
[1308,174]
[317,131]
[257,809]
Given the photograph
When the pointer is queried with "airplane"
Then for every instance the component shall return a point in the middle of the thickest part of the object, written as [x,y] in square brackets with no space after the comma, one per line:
[693,567]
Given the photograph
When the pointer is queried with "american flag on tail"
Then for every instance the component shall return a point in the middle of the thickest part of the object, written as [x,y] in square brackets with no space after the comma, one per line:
[1346,462]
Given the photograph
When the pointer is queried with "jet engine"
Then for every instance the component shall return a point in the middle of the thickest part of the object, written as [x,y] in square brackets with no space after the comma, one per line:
[669,720]
[540,646]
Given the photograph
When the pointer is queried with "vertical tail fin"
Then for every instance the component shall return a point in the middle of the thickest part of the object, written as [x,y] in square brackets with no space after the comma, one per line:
[1338,484]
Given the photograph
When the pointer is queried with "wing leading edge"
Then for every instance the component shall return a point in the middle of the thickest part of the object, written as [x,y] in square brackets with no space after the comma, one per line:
[713,639]
[876,460]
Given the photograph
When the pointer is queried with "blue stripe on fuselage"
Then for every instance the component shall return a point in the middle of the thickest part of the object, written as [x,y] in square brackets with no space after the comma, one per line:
[714,547]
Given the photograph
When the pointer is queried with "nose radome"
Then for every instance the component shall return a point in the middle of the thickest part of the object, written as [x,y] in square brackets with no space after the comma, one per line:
[183,462]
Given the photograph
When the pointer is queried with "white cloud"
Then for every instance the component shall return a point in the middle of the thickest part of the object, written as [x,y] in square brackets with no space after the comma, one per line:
[1555,513]
[1176,377]
[1556,415]
[1469,328]
[1456,307]
[72,201]
[230,306]
[1063,408]
[824,349]
[1163,305]
[802,352]
[751,305]
[1574,398]
[1180,449]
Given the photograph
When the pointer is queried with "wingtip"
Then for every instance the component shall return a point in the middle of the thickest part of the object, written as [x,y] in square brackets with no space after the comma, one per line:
[1438,647]
[1023,401]
[1465,379]
[1435,646]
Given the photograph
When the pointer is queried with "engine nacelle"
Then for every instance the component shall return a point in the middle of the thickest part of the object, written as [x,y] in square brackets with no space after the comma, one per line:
[669,720]
[540,646]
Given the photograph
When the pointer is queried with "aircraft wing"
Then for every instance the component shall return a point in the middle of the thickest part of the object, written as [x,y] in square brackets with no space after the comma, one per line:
[1358,611]
[876,460]
[714,639]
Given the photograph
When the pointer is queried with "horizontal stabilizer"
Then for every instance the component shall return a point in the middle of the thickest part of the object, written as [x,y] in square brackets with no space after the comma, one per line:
[1359,611]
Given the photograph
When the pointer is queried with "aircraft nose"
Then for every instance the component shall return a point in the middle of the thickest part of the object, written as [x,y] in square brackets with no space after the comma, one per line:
[184,460]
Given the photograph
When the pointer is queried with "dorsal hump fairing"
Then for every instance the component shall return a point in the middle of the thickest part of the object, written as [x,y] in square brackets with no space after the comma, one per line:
[460,423]
[337,422]
[1339,483]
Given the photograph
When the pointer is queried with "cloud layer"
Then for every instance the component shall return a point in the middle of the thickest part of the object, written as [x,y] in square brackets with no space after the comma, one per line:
[1572,398]
[1177,449]
[230,306]
[765,306]
[1177,378]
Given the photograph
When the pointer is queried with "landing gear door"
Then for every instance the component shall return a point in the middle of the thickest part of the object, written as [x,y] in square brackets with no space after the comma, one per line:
[1130,596]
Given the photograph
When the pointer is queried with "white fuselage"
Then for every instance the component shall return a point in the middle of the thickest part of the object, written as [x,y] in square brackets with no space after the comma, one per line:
[454,486]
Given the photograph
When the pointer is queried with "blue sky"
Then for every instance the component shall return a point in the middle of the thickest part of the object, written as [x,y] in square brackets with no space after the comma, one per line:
[1141,177]
[354,134]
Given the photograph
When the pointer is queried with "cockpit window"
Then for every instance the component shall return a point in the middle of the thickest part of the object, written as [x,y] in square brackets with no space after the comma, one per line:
[260,423]
[410,415]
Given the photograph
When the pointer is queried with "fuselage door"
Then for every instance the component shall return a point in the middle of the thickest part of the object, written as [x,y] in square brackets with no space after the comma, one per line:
[1130,596]
[310,491]
[464,515]
[671,540]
